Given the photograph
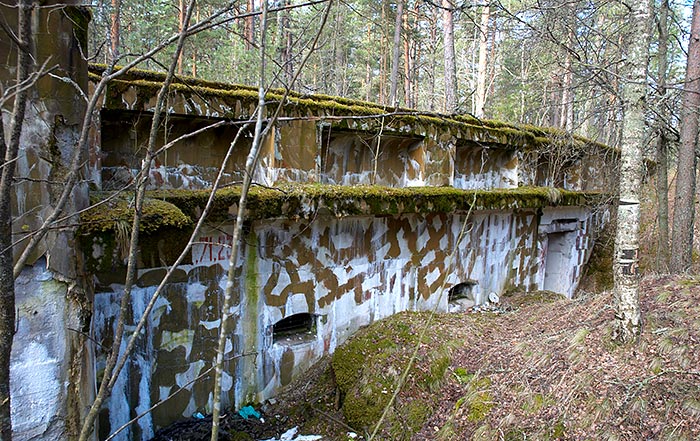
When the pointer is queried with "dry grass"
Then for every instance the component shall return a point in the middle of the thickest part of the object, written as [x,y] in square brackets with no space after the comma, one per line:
[560,377]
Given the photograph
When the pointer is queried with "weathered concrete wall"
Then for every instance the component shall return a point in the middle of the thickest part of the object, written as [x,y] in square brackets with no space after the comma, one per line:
[480,167]
[50,379]
[345,272]
[47,372]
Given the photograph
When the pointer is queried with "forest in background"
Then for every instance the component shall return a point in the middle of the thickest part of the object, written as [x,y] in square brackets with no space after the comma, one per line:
[542,62]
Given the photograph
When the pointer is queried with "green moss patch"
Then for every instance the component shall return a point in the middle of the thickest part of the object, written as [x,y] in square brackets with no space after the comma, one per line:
[368,368]
[105,233]
[113,216]
[306,201]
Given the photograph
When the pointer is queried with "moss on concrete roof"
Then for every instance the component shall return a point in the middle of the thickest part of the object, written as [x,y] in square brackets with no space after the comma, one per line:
[105,218]
[179,208]
[499,132]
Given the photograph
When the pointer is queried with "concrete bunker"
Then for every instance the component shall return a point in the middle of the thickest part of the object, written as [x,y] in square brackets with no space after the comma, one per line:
[316,280]
[351,157]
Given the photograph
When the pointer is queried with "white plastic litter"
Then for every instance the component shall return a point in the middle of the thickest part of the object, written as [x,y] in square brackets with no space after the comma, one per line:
[291,435]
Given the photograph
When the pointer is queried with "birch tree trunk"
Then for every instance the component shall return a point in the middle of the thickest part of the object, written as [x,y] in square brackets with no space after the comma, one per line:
[395,57]
[481,72]
[450,69]
[684,201]
[567,95]
[627,324]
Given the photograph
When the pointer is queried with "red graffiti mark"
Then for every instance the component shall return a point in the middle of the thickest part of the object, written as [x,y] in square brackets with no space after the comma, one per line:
[215,249]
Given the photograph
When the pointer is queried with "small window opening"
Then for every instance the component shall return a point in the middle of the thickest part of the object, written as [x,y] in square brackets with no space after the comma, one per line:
[462,291]
[297,325]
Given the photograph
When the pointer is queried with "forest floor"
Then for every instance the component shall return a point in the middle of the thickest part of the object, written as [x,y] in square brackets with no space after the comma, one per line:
[545,369]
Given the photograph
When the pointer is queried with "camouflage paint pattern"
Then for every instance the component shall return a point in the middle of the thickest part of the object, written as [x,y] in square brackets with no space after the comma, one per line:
[345,272]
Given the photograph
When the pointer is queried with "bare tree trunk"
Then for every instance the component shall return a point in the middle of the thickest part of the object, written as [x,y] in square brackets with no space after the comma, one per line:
[684,201]
[415,74]
[180,26]
[383,57]
[194,50]
[339,55]
[7,172]
[368,65]
[450,68]
[7,299]
[395,59]
[115,29]
[627,324]
[433,64]
[555,100]
[286,44]
[249,26]
[108,380]
[662,143]
[567,95]
[523,84]
[481,72]
[408,64]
